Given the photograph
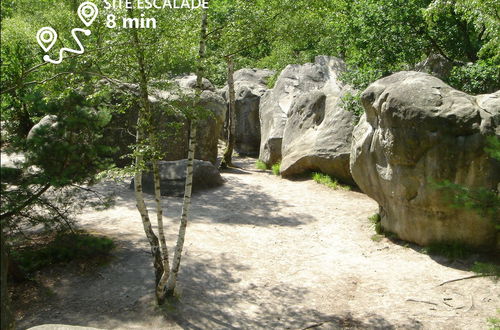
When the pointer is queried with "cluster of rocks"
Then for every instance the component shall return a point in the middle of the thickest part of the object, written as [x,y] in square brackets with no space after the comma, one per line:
[416,131]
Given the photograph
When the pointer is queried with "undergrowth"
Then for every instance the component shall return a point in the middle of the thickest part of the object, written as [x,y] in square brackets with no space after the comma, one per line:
[276,168]
[328,181]
[65,247]
[260,165]
[450,250]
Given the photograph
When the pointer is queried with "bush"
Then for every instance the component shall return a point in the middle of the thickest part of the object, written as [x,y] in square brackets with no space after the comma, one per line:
[450,250]
[377,223]
[259,164]
[65,247]
[276,168]
[479,78]
[352,103]
[328,181]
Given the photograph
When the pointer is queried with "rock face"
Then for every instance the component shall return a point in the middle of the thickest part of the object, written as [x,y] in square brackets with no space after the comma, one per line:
[302,122]
[418,130]
[173,177]
[250,85]
[49,121]
[436,65]
[317,134]
[123,124]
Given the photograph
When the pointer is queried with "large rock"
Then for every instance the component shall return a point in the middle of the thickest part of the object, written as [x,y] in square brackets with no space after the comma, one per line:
[317,134]
[435,64]
[276,105]
[48,122]
[250,85]
[417,130]
[173,177]
[121,130]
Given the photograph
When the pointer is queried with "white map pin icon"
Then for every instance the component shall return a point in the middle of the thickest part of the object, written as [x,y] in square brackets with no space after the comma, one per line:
[46,38]
[88,12]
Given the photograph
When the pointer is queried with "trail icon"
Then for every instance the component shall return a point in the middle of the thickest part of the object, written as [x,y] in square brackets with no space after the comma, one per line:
[46,38]
[88,12]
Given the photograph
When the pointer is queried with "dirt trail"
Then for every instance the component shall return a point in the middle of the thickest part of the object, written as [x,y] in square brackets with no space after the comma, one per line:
[266,253]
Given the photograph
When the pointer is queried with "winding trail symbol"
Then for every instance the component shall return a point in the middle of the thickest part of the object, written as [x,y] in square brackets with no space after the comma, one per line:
[47,58]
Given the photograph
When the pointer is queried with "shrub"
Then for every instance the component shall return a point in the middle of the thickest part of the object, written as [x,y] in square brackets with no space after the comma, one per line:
[478,78]
[377,223]
[328,181]
[276,168]
[65,247]
[450,250]
[259,164]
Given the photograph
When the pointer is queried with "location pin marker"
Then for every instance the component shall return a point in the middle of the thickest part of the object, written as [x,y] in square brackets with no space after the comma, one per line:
[88,12]
[46,38]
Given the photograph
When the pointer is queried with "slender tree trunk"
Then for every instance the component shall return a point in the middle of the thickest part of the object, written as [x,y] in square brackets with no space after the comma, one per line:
[172,279]
[176,261]
[228,153]
[7,318]
[143,125]
[160,287]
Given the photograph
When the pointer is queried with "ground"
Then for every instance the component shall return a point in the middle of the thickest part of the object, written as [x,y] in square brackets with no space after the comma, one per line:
[263,253]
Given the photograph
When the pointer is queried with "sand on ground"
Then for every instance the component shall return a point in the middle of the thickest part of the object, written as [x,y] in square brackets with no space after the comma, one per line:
[262,252]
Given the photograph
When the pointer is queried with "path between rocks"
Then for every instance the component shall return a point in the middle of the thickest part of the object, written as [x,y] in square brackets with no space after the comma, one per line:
[267,253]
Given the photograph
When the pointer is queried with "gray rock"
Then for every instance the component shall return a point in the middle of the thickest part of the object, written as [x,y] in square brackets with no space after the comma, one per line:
[317,135]
[173,177]
[435,64]
[189,82]
[250,85]
[49,121]
[120,130]
[276,104]
[417,130]
[60,327]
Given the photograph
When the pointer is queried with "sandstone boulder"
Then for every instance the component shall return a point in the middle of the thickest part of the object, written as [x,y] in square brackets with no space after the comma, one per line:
[276,104]
[120,131]
[417,131]
[317,134]
[173,177]
[250,85]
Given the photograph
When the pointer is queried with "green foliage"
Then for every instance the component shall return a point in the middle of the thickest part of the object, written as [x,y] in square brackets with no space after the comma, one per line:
[328,181]
[276,168]
[451,250]
[494,322]
[376,220]
[377,237]
[352,103]
[259,164]
[493,147]
[65,247]
[476,78]
[486,269]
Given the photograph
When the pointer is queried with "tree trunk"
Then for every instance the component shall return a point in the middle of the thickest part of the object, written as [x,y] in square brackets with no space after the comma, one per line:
[160,287]
[7,321]
[172,279]
[143,125]
[228,153]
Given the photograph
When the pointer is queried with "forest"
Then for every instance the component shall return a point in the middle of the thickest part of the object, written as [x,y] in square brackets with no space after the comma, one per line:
[250,164]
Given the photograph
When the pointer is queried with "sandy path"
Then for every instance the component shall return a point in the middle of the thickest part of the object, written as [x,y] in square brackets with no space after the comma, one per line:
[266,253]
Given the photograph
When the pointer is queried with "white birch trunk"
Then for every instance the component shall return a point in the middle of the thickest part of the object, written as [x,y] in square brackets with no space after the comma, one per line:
[160,287]
[172,279]
[176,261]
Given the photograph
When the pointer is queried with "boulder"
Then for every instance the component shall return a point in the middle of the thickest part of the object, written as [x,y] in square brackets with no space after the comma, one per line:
[435,64]
[276,104]
[418,131]
[317,134]
[49,122]
[189,82]
[120,132]
[173,177]
[250,85]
